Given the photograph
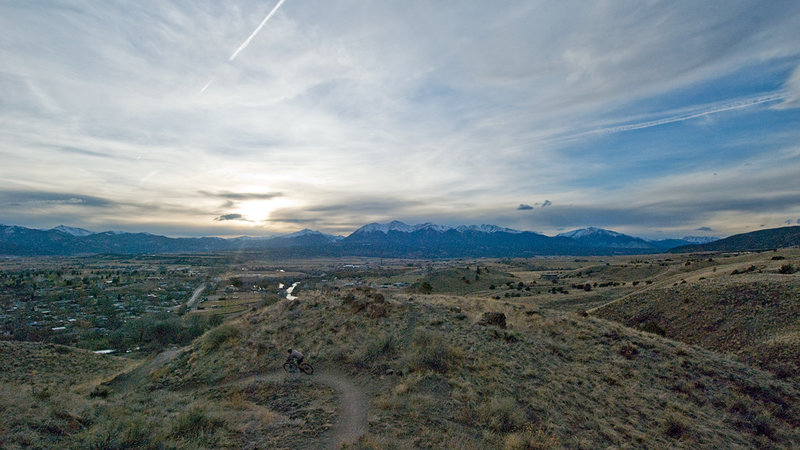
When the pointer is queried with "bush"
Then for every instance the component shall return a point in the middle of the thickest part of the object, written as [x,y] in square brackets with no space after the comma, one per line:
[651,326]
[194,423]
[425,288]
[217,336]
[787,269]
[675,427]
[430,351]
[381,348]
[503,414]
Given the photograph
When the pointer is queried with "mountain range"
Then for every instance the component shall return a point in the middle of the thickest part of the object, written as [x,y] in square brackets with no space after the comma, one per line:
[393,239]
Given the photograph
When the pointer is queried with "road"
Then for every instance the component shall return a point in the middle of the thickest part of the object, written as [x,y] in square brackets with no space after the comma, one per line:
[192,303]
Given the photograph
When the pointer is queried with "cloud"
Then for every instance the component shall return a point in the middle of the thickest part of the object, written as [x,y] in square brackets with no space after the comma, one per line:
[524,207]
[582,106]
[226,217]
[10,198]
[243,195]
[792,89]
[546,203]
[703,229]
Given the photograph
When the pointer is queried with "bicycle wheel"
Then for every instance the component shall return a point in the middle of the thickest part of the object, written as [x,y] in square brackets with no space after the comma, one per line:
[289,367]
[306,368]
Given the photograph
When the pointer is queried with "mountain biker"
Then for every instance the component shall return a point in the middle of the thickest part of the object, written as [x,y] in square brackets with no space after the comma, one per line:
[294,355]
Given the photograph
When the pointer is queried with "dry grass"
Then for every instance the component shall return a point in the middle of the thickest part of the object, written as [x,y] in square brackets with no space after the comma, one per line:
[434,378]
[752,316]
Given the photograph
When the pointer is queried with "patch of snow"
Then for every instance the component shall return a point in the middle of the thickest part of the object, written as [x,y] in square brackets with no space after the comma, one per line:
[700,239]
[591,231]
[486,228]
[72,231]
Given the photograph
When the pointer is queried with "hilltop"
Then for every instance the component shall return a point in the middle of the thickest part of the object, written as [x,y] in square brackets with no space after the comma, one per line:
[757,240]
[746,307]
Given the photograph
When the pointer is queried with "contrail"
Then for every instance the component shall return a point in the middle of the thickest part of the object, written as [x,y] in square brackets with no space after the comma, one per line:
[692,112]
[261,25]
[713,109]
[207,84]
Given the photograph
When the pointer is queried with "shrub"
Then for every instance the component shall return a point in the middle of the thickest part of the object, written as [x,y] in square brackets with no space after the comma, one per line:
[381,348]
[675,427]
[503,414]
[651,326]
[787,269]
[430,351]
[217,336]
[193,423]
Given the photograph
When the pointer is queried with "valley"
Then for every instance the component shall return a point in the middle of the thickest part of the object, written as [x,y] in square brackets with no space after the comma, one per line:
[669,350]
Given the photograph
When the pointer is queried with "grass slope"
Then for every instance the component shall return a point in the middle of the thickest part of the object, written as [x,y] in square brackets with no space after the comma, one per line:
[755,317]
[552,379]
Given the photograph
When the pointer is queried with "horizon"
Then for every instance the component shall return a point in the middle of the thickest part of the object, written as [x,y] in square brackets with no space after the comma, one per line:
[264,118]
[173,236]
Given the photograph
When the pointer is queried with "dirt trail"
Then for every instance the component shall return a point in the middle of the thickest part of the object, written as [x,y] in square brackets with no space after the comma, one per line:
[138,375]
[352,402]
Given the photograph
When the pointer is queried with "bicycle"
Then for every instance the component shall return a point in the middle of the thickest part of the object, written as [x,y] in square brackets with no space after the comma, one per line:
[292,366]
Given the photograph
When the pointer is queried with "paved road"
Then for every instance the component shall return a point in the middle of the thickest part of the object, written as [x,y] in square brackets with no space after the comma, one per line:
[192,303]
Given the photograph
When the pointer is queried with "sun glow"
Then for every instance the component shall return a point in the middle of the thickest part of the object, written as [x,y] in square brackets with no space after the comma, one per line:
[258,211]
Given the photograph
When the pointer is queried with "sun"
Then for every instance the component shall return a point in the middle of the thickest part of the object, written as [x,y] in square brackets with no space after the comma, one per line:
[258,211]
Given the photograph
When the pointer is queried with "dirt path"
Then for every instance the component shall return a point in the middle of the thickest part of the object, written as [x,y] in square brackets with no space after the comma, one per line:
[138,375]
[352,402]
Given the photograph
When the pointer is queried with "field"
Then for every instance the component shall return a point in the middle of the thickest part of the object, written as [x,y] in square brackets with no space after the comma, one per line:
[694,351]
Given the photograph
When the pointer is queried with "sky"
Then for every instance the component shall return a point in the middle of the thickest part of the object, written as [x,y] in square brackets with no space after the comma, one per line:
[204,118]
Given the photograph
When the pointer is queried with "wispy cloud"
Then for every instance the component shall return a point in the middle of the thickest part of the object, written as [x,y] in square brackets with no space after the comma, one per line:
[339,118]
[242,195]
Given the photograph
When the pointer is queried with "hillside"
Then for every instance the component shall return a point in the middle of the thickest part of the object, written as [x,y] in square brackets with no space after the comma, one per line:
[395,368]
[550,378]
[756,240]
[748,310]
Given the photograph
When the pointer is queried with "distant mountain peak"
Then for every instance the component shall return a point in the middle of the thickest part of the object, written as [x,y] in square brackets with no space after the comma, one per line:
[699,239]
[385,228]
[590,231]
[401,227]
[599,237]
[486,228]
[72,231]
[310,232]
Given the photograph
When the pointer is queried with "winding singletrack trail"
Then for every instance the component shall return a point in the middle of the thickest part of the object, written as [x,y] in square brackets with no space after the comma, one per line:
[352,402]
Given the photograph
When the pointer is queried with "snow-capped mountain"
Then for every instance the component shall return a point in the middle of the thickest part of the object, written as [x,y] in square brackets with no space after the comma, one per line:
[309,232]
[72,231]
[487,229]
[385,228]
[393,239]
[598,237]
[589,232]
[699,239]
[401,227]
